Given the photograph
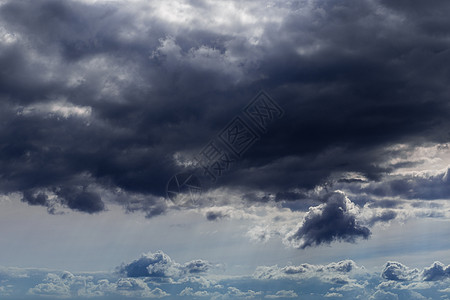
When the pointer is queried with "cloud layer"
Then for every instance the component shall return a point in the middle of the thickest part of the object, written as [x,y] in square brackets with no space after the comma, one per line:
[103,96]
[164,278]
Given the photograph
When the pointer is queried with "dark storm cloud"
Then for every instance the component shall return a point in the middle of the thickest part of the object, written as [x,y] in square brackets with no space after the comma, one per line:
[420,186]
[353,95]
[92,95]
[46,150]
[289,196]
[335,220]
[39,199]
[81,200]
[74,198]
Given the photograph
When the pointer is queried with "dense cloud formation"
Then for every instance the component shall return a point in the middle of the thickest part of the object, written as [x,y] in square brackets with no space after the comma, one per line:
[335,220]
[160,265]
[74,198]
[67,285]
[398,272]
[102,102]
[382,295]
[419,185]
[343,279]
[437,271]
[306,270]
[96,95]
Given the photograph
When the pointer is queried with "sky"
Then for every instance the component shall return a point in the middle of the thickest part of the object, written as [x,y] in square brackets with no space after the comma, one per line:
[224,149]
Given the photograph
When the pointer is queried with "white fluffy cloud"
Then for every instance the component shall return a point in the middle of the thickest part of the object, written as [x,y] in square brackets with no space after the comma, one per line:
[382,295]
[343,279]
[283,294]
[307,270]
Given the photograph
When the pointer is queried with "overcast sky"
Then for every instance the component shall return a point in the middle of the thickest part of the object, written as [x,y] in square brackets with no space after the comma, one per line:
[224,149]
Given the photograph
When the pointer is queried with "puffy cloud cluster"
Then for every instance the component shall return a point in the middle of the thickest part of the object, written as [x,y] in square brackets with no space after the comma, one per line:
[382,295]
[283,294]
[306,270]
[230,293]
[133,287]
[160,265]
[438,271]
[398,272]
[343,279]
[67,285]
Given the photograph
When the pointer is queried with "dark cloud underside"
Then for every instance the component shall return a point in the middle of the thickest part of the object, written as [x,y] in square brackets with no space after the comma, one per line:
[98,95]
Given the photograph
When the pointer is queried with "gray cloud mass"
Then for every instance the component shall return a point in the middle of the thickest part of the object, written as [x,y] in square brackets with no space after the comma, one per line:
[98,101]
[335,220]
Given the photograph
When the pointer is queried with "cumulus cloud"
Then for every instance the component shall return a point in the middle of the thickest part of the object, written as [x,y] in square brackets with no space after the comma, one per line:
[188,291]
[335,220]
[53,285]
[66,284]
[282,294]
[437,271]
[343,279]
[398,272]
[395,271]
[230,293]
[196,266]
[382,295]
[306,270]
[135,287]
[160,265]
[235,292]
